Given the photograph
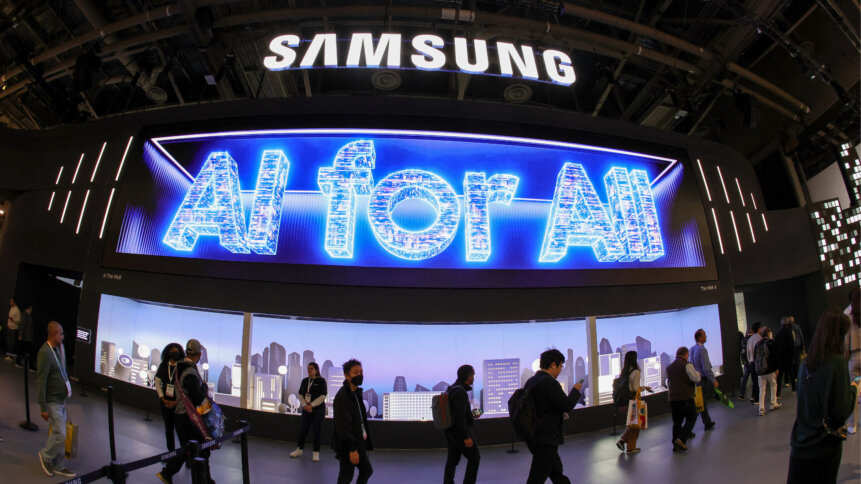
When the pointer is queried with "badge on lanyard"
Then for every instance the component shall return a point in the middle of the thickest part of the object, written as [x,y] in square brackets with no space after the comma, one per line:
[168,390]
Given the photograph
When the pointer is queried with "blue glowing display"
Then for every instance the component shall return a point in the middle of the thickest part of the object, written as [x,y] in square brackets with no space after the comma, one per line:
[375,198]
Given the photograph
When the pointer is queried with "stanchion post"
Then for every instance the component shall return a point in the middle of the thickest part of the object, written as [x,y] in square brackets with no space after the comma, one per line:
[193,451]
[111,423]
[198,471]
[27,424]
[243,439]
[116,473]
[512,450]
[147,419]
[83,390]
[614,433]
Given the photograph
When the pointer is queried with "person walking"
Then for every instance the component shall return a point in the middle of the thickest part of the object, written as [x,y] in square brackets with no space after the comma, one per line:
[54,388]
[699,357]
[751,349]
[681,380]
[189,382]
[12,323]
[825,400]
[784,347]
[628,441]
[312,393]
[25,340]
[766,369]
[551,403]
[165,377]
[798,350]
[747,367]
[459,436]
[853,349]
[351,439]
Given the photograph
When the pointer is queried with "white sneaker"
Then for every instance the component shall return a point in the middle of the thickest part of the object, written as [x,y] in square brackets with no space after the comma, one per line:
[851,430]
[315,457]
[296,453]
[776,406]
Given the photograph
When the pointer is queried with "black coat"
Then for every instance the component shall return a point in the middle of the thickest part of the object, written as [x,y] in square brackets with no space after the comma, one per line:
[461,414]
[550,403]
[784,346]
[771,361]
[349,415]
[318,388]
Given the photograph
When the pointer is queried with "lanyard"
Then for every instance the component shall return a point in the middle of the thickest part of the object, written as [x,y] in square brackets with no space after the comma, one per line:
[169,373]
[62,370]
[361,421]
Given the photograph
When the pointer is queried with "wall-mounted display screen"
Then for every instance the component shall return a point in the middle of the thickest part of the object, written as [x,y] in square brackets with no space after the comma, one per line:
[391,199]
[405,364]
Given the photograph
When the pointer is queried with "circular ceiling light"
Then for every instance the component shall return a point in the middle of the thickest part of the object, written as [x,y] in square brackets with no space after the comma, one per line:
[518,93]
[386,80]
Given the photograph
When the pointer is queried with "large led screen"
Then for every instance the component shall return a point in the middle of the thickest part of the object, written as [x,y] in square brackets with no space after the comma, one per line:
[410,199]
[405,364]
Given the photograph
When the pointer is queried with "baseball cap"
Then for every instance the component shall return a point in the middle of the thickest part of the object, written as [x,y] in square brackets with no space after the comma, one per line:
[193,347]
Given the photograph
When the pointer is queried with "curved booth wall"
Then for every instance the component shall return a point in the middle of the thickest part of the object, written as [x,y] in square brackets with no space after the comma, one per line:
[100,199]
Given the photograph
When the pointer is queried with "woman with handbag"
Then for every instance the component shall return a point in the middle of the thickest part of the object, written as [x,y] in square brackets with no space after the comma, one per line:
[825,400]
[628,442]
[171,355]
[191,389]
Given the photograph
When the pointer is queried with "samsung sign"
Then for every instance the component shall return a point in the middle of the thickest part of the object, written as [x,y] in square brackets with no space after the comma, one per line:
[428,52]
[396,198]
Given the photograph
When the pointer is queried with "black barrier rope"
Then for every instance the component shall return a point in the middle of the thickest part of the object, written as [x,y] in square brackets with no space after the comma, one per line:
[118,471]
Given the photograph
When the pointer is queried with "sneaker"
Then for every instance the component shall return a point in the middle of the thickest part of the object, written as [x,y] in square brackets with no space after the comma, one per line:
[692,435]
[46,466]
[315,456]
[635,451]
[166,479]
[761,412]
[710,426]
[679,445]
[776,406]
[296,453]
[741,397]
[18,365]
[621,445]
[64,472]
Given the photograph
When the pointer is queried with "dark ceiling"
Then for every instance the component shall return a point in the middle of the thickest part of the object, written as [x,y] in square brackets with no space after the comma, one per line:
[756,75]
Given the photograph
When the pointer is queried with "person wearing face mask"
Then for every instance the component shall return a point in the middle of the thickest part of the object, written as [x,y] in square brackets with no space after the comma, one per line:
[312,393]
[551,403]
[459,435]
[164,386]
[351,440]
[194,387]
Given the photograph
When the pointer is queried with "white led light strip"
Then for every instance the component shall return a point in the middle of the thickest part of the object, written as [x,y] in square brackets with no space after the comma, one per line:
[107,210]
[99,160]
[752,199]
[717,230]
[65,206]
[83,207]
[740,195]
[750,224]
[80,160]
[59,174]
[725,193]
[705,182]
[51,203]
[764,223]
[735,228]
[122,162]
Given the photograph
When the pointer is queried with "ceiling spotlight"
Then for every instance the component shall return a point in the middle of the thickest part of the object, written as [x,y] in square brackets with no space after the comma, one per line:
[3,86]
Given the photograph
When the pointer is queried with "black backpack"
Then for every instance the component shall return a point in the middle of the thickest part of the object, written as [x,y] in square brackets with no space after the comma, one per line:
[761,355]
[622,390]
[524,416]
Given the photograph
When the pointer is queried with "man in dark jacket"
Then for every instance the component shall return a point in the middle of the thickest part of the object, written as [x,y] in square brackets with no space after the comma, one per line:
[682,378]
[459,436]
[550,405]
[784,347]
[193,386]
[351,440]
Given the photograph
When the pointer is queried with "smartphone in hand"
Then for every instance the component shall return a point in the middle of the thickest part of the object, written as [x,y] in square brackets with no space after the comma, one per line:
[476,412]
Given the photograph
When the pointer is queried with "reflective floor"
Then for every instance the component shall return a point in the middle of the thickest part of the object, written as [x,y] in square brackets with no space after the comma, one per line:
[743,448]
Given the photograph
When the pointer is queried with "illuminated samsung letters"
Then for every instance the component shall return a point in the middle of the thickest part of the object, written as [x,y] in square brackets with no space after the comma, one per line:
[624,229]
[350,175]
[471,56]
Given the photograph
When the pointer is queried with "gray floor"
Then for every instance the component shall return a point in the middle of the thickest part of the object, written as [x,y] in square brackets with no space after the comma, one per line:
[743,448]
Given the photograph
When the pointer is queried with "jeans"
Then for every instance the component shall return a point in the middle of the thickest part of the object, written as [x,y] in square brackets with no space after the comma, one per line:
[186,431]
[345,472]
[168,416]
[749,372]
[545,463]
[764,382]
[314,418]
[456,448]
[684,417]
[54,451]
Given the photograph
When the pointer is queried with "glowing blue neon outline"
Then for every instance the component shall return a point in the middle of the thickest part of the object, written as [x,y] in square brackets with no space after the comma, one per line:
[268,203]
[441,226]
[499,188]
